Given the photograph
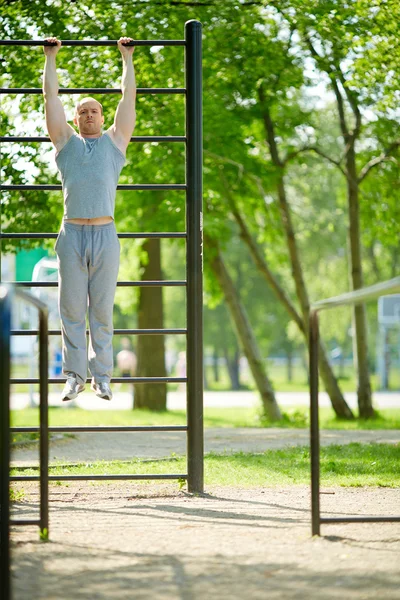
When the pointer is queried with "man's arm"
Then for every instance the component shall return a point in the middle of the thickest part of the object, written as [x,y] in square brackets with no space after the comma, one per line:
[59,130]
[125,117]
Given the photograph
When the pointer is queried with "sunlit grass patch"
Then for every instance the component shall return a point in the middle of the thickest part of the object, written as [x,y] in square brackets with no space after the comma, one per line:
[349,465]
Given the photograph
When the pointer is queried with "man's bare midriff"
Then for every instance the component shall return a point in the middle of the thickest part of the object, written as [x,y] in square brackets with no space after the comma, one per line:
[95,221]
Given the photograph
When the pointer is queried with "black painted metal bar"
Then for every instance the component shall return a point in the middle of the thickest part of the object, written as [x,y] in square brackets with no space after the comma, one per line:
[25,522]
[93,43]
[5,325]
[55,380]
[136,138]
[150,283]
[121,236]
[314,423]
[27,332]
[44,422]
[97,477]
[19,91]
[138,186]
[194,254]
[90,429]
[360,519]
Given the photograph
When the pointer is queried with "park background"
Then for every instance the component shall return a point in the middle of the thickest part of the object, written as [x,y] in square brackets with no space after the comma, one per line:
[300,123]
[301,172]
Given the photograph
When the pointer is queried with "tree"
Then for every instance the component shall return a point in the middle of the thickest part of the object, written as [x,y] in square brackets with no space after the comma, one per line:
[151,349]
[334,36]
[256,95]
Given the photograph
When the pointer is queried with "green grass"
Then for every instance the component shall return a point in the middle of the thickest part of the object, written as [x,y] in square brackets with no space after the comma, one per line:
[351,465]
[213,417]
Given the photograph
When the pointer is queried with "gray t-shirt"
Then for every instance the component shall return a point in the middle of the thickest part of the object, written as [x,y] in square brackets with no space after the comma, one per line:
[89,170]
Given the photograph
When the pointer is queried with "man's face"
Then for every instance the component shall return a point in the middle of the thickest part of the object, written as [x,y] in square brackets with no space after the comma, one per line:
[88,118]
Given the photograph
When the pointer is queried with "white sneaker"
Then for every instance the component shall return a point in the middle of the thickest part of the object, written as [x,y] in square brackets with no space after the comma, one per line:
[71,389]
[101,389]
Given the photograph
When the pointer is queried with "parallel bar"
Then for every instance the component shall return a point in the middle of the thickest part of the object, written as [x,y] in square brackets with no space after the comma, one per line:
[43,407]
[27,332]
[194,254]
[149,283]
[121,236]
[113,380]
[314,423]
[90,429]
[93,43]
[138,186]
[44,422]
[19,91]
[392,286]
[360,520]
[5,325]
[136,138]
[360,296]
[25,522]
[96,477]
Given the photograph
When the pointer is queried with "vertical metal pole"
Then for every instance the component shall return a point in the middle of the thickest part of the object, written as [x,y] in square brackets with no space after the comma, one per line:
[194,255]
[44,431]
[5,326]
[314,423]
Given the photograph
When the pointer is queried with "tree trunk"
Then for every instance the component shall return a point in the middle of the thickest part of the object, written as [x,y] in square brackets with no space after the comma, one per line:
[150,348]
[339,404]
[245,334]
[360,320]
[232,363]
[289,365]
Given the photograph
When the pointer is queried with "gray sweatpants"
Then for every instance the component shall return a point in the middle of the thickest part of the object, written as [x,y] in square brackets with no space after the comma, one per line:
[88,262]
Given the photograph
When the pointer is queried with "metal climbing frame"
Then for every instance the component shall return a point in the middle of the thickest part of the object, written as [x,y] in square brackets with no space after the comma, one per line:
[193,236]
[350,299]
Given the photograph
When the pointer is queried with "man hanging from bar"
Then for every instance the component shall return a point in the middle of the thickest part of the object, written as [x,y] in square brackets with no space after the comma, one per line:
[87,246]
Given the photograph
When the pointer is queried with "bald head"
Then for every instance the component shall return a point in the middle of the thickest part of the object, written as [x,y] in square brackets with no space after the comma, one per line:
[87,100]
[89,117]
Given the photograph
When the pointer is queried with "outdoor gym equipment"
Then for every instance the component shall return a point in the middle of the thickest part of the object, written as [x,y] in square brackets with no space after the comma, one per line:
[350,299]
[193,282]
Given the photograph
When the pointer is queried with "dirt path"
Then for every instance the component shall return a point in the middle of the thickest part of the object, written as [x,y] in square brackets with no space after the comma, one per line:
[148,541]
[124,446]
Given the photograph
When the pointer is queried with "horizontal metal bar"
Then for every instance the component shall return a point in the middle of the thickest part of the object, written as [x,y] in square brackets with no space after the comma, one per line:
[138,186]
[136,138]
[155,283]
[93,91]
[113,380]
[121,236]
[360,519]
[392,286]
[96,477]
[25,522]
[90,429]
[93,43]
[27,332]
